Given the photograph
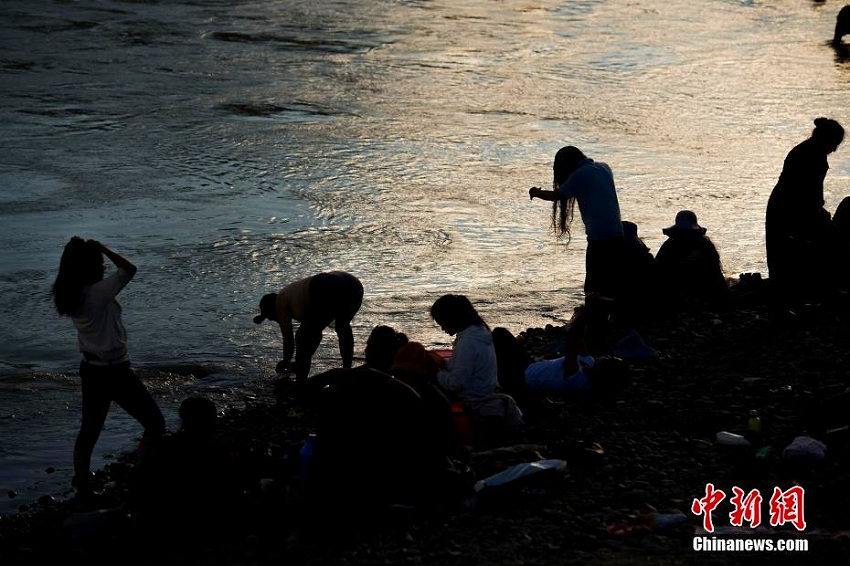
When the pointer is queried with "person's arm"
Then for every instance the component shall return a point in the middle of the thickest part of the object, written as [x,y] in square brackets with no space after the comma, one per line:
[456,373]
[288,337]
[537,192]
[574,344]
[120,261]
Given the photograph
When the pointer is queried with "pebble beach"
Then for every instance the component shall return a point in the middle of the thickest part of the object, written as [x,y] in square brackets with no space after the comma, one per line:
[635,464]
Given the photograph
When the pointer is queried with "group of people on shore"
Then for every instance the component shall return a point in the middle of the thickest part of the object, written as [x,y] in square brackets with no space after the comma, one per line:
[487,375]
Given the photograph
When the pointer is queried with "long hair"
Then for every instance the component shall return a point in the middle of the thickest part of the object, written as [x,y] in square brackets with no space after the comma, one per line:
[457,311]
[81,265]
[563,209]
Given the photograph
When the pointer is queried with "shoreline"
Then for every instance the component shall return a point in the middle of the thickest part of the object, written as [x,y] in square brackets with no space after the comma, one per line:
[651,448]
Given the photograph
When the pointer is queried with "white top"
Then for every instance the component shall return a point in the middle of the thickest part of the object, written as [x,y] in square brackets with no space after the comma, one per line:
[471,371]
[98,321]
[592,185]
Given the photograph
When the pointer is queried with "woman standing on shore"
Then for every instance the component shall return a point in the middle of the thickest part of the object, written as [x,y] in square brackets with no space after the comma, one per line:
[579,179]
[81,292]
[799,235]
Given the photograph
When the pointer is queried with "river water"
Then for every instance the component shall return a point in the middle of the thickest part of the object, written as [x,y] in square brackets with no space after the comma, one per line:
[227,147]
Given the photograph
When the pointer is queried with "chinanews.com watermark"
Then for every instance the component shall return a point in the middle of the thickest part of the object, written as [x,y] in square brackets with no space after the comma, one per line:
[785,509]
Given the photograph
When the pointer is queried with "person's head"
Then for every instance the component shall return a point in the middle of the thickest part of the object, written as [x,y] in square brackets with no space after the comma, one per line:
[455,313]
[197,415]
[81,264]
[685,225]
[381,347]
[567,160]
[268,308]
[828,134]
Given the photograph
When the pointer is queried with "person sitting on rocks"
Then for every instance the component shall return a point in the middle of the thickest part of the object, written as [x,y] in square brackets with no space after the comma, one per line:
[381,347]
[576,370]
[417,367]
[191,474]
[689,268]
[471,373]
[374,447]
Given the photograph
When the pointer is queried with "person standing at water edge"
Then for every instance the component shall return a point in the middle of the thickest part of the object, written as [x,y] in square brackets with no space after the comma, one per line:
[314,302]
[81,292]
[579,179]
[799,234]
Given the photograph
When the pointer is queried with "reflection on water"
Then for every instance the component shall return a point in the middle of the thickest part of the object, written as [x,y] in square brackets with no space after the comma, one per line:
[230,147]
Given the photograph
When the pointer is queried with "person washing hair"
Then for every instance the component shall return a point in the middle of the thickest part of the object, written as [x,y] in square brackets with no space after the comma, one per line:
[579,179]
[315,302]
[82,293]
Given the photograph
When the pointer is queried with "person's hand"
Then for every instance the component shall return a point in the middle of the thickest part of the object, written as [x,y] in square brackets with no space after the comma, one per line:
[282,367]
[533,192]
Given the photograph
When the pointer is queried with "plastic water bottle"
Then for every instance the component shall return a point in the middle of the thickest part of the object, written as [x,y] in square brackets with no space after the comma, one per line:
[754,424]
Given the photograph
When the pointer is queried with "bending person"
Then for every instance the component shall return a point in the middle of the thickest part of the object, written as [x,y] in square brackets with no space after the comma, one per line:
[315,302]
[579,179]
[81,292]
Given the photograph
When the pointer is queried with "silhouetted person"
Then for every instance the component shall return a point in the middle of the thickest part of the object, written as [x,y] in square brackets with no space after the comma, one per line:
[374,444]
[381,347]
[798,230]
[315,302]
[81,292]
[689,268]
[640,295]
[190,477]
[842,26]
[417,368]
[579,179]
[471,372]
[841,222]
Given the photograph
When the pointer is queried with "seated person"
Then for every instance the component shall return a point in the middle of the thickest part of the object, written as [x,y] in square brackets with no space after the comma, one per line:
[417,367]
[191,473]
[471,372]
[689,267]
[381,347]
[575,370]
[374,443]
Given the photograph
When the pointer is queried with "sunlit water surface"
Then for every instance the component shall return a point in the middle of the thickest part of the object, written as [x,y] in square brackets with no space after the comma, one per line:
[228,147]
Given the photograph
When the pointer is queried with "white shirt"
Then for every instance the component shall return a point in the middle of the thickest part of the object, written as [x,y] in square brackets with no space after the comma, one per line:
[472,371]
[98,321]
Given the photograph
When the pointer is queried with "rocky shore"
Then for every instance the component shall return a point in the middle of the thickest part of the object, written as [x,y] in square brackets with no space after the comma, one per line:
[636,461]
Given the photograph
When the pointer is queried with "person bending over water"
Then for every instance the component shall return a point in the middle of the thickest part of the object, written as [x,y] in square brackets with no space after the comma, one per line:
[314,302]
[82,293]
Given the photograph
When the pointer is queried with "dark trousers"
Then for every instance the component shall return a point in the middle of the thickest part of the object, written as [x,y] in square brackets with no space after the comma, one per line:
[101,386]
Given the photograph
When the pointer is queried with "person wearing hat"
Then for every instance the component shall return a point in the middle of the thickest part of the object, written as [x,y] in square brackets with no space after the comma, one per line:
[689,266]
[315,302]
